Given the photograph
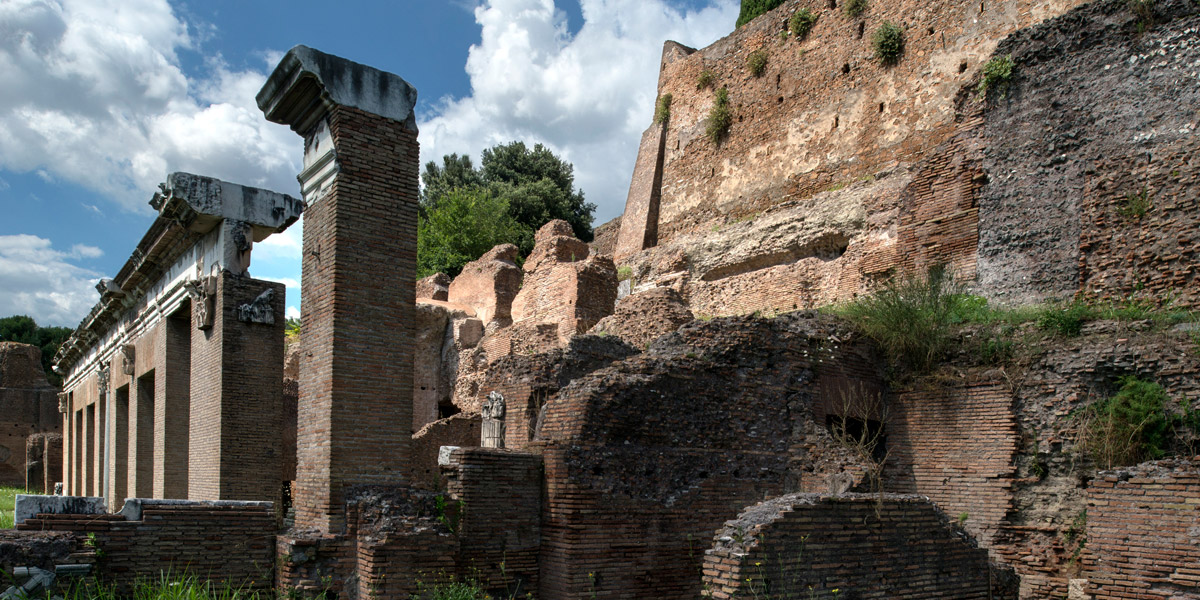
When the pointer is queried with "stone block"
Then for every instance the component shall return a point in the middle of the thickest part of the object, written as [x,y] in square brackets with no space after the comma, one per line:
[29,506]
[489,285]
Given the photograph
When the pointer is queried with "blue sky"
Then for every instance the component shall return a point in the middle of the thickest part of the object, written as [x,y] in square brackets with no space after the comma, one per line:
[100,99]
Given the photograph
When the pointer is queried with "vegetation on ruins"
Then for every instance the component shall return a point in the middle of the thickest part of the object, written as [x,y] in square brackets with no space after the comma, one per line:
[169,587]
[23,329]
[997,75]
[802,22]
[754,8]
[888,42]
[662,110]
[720,118]
[705,79]
[624,273]
[515,190]
[854,8]
[757,62]
[1130,426]
[8,502]
[1143,10]
[1135,205]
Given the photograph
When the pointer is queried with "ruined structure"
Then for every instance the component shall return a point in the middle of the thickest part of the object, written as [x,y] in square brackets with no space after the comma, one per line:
[171,384]
[29,421]
[667,457]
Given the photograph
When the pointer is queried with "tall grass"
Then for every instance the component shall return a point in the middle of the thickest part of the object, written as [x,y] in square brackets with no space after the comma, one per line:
[8,501]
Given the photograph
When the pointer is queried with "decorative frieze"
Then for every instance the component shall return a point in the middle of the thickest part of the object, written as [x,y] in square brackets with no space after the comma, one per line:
[260,310]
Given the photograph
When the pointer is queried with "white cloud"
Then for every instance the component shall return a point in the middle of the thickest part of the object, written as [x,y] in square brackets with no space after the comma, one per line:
[3,184]
[588,96]
[92,92]
[41,282]
[291,312]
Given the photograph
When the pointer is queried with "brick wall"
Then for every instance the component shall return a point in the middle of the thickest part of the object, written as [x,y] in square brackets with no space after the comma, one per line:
[355,415]
[43,462]
[851,546]
[1141,532]
[28,406]
[457,430]
[646,458]
[499,532]
[217,542]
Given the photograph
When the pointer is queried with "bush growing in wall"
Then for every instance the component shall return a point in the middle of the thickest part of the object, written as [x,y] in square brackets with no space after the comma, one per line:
[754,8]
[888,42]
[1144,11]
[1130,427]
[802,22]
[757,62]
[706,78]
[720,117]
[997,75]
[854,8]
[662,112]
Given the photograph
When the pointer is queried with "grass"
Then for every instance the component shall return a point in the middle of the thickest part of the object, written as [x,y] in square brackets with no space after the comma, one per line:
[166,588]
[662,111]
[854,8]
[1136,205]
[705,79]
[1129,427]
[8,500]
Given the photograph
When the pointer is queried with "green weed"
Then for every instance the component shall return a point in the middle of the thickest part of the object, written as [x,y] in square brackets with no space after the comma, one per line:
[1135,206]
[801,23]
[720,118]
[757,62]
[8,502]
[662,111]
[705,79]
[888,42]
[997,75]
[854,8]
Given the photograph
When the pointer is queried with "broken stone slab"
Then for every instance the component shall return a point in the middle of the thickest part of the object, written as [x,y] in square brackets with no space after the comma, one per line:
[444,455]
[29,506]
[37,580]
[132,511]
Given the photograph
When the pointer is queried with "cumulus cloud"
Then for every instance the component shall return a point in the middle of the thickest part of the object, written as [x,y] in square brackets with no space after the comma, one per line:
[94,94]
[587,96]
[43,282]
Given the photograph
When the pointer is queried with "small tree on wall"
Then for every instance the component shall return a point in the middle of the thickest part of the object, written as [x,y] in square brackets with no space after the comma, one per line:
[754,8]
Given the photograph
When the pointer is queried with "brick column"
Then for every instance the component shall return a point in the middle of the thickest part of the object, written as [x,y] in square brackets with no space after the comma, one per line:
[360,236]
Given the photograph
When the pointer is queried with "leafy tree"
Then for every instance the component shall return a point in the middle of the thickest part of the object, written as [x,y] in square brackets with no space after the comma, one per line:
[456,172]
[753,8]
[24,329]
[460,227]
[534,185]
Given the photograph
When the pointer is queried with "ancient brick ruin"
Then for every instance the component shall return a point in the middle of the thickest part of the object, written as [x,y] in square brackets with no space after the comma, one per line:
[30,428]
[579,425]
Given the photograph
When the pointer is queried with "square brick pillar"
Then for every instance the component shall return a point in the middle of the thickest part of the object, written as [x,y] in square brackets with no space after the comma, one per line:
[361,160]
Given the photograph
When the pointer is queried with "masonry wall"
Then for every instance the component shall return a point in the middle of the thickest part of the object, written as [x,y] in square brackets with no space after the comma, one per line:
[646,458]
[457,430]
[355,410]
[499,517]
[214,542]
[28,406]
[850,546]
[1141,532]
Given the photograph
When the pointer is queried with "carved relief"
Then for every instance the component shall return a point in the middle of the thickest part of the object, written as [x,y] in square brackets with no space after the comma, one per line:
[127,365]
[62,402]
[259,311]
[102,382]
[203,292]
[494,410]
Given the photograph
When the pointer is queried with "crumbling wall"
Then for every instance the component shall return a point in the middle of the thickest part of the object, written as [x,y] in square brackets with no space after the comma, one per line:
[846,546]
[1141,532]
[495,499]
[1061,173]
[28,406]
[645,458]
[641,318]
[215,541]
[457,430]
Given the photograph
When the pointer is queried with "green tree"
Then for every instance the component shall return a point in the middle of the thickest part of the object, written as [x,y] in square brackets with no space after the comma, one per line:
[461,226]
[754,8]
[23,329]
[535,185]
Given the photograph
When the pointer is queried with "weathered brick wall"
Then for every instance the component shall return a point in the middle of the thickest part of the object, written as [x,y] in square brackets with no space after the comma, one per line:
[170,409]
[825,111]
[213,541]
[604,240]
[39,549]
[355,414]
[457,430]
[28,405]
[645,458]
[1141,532]
[1059,170]
[956,444]
[499,522]
[43,462]
[236,402]
[848,546]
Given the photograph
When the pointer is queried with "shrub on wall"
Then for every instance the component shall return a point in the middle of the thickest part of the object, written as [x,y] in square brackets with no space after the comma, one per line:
[754,8]
[720,117]
[706,78]
[854,8]
[802,22]
[1130,427]
[889,43]
[662,112]
[757,62]
[997,75]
